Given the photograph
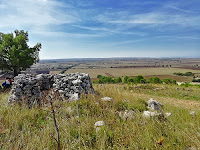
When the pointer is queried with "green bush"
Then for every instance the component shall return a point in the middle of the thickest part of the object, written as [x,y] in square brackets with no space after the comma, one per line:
[169,81]
[125,79]
[138,79]
[118,80]
[104,79]
[155,80]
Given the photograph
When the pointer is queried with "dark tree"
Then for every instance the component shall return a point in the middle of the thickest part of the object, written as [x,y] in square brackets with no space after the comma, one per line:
[15,54]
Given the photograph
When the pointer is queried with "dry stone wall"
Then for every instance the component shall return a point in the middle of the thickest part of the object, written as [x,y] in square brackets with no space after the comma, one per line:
[30,88]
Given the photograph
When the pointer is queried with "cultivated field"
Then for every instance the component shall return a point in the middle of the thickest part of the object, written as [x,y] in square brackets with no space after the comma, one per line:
[146,72]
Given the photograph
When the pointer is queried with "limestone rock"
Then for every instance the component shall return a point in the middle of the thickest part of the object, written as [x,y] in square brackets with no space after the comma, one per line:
[193,113]
[98,125]
[154,105]
[148,114]
[127,114]
[168,114]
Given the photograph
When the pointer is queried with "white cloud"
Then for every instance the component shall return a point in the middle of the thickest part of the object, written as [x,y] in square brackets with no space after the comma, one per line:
[31,13]
[179,9]
[151,18]
[179,37]
[109,30]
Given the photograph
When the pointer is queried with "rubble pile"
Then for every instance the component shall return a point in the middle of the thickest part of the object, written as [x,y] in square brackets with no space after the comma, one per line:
[30,88]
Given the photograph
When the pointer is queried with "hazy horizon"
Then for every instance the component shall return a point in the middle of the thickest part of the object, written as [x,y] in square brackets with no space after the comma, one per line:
[124,58]
[107,28]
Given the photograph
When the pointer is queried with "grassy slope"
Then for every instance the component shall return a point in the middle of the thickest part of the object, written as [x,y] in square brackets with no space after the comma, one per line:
[23,128]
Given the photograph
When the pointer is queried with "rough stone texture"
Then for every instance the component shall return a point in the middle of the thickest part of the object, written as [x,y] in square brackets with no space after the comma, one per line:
[30,87]
[154,105]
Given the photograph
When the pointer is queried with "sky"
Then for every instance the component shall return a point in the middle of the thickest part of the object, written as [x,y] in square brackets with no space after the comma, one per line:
[106,28]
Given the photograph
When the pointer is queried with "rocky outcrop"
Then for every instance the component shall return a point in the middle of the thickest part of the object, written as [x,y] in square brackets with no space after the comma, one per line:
[154,105]
[30,88]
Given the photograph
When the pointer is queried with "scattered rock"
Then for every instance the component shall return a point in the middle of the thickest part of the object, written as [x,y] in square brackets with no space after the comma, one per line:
[127,114]
[193,113]
[107,99]
[168,114]
[98,125]
[154,105]
[148,114]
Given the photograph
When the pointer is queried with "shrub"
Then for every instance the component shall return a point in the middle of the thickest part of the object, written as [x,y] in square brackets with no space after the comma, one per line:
[125,79]
[130,80]
[99,76]
[184,74]
[138,79]
[118,80]
[155,80]
[169,81]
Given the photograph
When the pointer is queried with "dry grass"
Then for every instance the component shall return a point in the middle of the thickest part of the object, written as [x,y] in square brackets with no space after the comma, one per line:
[1,82]
[23,128]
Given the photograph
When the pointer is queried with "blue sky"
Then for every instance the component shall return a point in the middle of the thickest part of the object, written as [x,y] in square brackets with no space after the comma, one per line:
[106,28]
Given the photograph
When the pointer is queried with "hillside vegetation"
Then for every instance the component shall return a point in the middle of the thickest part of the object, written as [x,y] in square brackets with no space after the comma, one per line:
[23,128]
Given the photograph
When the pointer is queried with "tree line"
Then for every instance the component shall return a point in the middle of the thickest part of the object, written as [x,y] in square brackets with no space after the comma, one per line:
[136,80]
[184,74]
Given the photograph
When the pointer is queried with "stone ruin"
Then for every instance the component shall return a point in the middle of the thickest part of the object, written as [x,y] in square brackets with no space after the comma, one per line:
[30,88]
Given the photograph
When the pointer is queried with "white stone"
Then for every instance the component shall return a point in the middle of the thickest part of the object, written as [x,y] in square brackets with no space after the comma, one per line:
[75,97]
[127,114]
[168,114]
[193,113]
[148,114]
[106,99]
[76,82]
[99,124]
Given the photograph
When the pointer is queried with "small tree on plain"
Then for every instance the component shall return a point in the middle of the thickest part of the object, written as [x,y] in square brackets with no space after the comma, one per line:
[126,79]
[15,54]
